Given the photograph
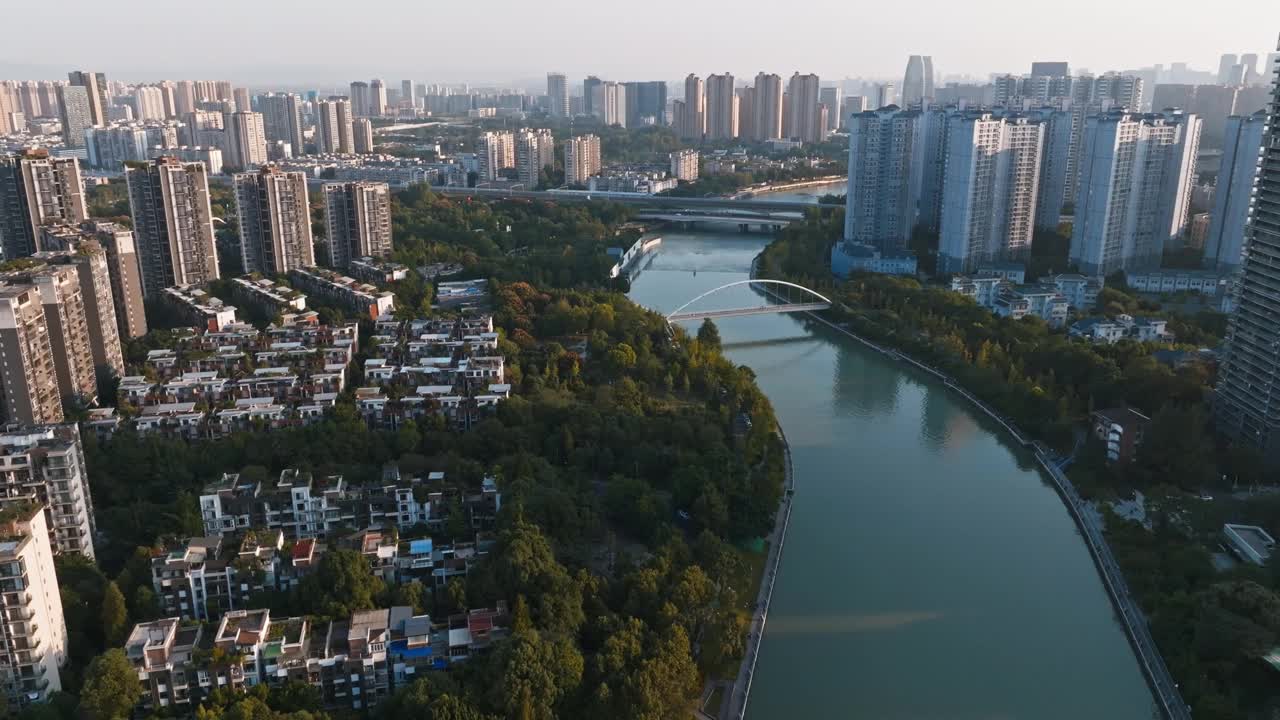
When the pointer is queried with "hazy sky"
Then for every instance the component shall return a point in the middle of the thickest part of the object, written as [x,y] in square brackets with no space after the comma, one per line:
[330,42]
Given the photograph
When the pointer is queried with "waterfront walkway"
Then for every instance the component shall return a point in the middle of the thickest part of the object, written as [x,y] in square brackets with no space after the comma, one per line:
[735,706]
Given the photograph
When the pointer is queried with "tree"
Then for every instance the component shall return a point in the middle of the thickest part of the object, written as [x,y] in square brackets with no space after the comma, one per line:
[536,673]
[111,687]
[412,594]
[524,564]
[115,616]
[342,584]
[709,334]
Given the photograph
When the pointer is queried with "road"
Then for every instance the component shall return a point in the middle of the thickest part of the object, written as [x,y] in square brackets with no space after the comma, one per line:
[656,201]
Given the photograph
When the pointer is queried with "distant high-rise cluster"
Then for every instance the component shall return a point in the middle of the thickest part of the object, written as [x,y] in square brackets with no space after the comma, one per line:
[983,181]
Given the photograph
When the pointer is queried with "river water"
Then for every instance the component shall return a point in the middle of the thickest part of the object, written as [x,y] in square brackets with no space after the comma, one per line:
[930,571]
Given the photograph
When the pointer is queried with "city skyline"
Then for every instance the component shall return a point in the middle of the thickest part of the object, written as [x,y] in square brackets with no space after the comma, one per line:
[824,48]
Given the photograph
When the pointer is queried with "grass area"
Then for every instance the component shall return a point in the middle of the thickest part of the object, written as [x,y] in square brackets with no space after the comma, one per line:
[749,581]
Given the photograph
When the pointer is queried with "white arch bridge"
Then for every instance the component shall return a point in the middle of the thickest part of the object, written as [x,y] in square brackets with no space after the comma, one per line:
[807,301]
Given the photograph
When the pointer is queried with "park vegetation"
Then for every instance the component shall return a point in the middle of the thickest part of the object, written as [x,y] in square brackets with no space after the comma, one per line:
[637,464]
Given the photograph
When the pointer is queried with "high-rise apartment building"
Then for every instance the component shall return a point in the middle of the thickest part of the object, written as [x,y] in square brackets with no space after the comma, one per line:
[886,158]
[357,217]
[886,95]
[581,159]
[495,152]
[684,165]
[282,120]
[917,82]
[148,102]
[95,84]
[802,120]
[126,276]
[109,148]
[76,113]
[35,641]
[362,136]
[609,103]
[172,224]
[830,99]
[184,97]
[535,150]
[692,123]
[1134,192]
[334,126]
[167,90]
[240,98]
[377,98]
[1226,65]
[1050,69]
[1247,398]
[767,123]
[1112,91]
[80,251]
[43,465]
[646,103]
[558,92]
[589,94]
[35,190]
[360,99]
[30,386]
[274,218]
[1062,129]
[407,96]
[1234,198]
[246,140]
[990,181]
[58,287]
[721,108]
[1213,104]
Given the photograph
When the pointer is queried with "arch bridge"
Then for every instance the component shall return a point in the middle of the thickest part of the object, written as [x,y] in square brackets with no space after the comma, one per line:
[808,301]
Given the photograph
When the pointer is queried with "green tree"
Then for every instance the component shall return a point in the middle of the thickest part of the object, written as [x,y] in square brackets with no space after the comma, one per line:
[709,334]
[111,687]
[342,584]
[412,594]
[115,616]
[536,673]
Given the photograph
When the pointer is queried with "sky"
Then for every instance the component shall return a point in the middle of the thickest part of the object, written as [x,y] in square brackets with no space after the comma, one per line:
[328,43]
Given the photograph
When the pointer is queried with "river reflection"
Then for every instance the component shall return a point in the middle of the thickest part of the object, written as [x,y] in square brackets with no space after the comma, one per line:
[930,573]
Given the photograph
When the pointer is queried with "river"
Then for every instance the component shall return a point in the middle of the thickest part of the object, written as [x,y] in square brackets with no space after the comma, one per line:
[930,571]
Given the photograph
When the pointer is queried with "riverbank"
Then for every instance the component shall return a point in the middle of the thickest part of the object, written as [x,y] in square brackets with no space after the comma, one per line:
[767,188]
[737,705]
[1164,689]
[871,608]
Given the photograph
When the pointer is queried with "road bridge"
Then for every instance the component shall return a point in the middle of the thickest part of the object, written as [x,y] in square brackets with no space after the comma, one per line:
[653,201]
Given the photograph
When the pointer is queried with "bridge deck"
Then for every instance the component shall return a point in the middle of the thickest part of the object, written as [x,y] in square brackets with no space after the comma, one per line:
[739,312]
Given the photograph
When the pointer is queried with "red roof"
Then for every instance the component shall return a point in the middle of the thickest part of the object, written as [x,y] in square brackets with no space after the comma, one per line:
[304,549]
